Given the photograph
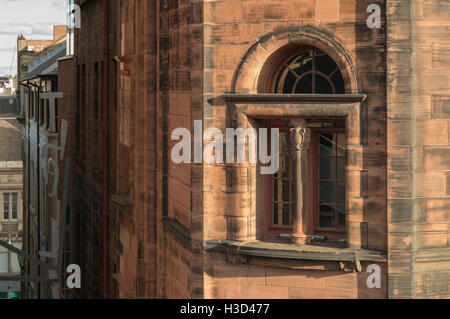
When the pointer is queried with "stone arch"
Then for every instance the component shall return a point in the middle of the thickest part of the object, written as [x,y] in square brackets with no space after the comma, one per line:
[260,59]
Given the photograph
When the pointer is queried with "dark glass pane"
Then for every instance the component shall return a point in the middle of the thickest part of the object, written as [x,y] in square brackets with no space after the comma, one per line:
[327,168]
[322,85]
[341,217]
[6,206]
[341,169]
[299,65]
[14,206]
[341,193]
[324,63]
[286,214]
[303,63]
[284,143]
[327,144]
[281,191]
[304,85]
[327,192]
[326,217]
[275,214]
[286,82]
[281,214]
[283,170]
[338,82]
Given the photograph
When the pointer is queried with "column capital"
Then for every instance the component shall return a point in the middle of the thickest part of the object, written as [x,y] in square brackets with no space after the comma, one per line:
[300,138]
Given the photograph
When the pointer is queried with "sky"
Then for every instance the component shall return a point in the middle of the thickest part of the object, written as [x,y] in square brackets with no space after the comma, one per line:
[32,18]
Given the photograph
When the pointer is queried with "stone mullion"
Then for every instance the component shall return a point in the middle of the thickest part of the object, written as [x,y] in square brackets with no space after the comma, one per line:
[300,139]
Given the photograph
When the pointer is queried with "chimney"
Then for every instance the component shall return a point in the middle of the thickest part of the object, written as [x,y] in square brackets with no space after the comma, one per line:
[59,31]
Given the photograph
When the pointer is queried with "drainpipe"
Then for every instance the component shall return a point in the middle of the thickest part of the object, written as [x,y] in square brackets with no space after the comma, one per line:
[105,146]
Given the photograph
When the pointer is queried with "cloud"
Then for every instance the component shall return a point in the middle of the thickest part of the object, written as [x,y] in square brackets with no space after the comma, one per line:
[15,28]
[32,18]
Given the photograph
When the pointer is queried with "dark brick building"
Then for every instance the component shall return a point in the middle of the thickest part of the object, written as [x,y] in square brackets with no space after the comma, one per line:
[364,132]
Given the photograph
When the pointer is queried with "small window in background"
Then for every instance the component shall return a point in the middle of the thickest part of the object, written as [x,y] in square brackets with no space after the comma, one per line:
[14,206]
[6,206]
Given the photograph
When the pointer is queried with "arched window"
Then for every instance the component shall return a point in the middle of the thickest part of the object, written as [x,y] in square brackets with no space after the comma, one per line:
[310,71]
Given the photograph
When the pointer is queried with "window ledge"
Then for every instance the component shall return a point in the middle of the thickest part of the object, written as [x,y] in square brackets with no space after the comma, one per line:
[121,202]
[272,98]
[292,251]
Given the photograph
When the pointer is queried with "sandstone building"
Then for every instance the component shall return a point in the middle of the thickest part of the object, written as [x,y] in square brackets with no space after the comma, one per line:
[11,199]
[363,114]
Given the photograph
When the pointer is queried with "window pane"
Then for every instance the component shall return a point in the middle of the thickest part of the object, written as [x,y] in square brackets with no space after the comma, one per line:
[6,206]
[327,144]
[283,170]
[303,63]
[341,144]
[322,85]
[281,214]
[324,63]
[304,85]
[281,191]
[14,206]
[327,192]
[341,193]
[286,82]
[284,143]
[327,168]
[302,66]
[326,216]
[341,169]
[341,217]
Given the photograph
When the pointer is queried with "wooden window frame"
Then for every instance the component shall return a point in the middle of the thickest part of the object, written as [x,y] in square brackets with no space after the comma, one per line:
[313,178]
[272,230]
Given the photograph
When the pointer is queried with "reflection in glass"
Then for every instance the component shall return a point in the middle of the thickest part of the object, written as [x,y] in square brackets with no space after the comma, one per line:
[299,73]
[281,213]
[327,168]
[341,144]
[327,192]
[341,169]
[326,217]
[327,144]
[341,193]
[341,217]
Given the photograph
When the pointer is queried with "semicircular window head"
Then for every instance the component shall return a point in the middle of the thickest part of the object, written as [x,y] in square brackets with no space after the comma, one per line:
[311,71]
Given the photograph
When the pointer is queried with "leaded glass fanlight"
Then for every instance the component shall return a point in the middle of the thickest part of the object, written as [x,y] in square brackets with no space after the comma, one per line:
[311,71]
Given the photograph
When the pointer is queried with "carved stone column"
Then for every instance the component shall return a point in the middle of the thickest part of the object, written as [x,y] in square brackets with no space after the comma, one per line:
[300,139]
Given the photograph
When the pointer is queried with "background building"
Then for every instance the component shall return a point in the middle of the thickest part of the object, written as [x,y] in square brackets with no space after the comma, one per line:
[9,104]
[44,148]
[29,51]
[11,217]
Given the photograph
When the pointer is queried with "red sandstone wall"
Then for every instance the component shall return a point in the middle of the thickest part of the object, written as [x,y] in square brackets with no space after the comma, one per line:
[184,181]
[418,149]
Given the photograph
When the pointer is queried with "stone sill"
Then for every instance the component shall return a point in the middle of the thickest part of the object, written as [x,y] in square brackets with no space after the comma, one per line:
[286,98]
[292,251]
[121,202]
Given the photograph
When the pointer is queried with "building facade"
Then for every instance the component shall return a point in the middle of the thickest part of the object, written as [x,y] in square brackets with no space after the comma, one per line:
[358,91]
[46,162]
[11,218]
[29,51]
